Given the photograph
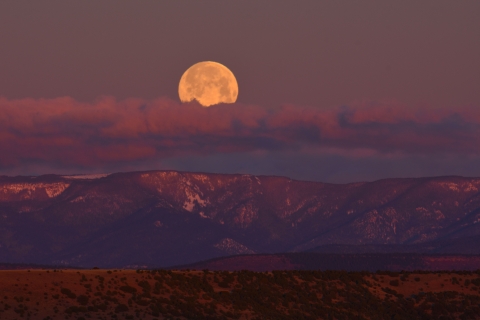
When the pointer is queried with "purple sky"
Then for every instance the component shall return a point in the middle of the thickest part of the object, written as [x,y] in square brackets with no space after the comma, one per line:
[419,60]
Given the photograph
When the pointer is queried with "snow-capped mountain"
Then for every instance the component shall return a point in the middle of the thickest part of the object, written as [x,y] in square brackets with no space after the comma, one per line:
[164,218]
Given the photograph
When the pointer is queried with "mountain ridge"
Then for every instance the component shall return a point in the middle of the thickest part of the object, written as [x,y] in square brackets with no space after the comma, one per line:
[166,218]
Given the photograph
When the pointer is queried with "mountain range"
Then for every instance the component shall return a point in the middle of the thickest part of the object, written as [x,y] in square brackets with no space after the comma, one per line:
[167,218]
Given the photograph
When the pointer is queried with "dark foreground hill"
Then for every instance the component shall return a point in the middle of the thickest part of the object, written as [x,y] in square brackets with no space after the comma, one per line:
[166,218]
[348,262]
[161,294]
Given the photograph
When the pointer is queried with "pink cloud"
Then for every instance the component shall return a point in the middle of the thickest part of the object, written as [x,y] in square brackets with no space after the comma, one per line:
[71,133]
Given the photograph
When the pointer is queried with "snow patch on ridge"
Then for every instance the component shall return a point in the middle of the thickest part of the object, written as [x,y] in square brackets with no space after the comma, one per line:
[193,198]
[246,214]
[51,189]
[231,246]
[78,199]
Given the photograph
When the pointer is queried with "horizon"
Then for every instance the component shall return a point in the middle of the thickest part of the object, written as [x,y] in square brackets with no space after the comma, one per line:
[106,174]
[331,92]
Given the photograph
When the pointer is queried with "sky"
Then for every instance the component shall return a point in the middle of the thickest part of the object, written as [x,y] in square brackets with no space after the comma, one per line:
[333,91]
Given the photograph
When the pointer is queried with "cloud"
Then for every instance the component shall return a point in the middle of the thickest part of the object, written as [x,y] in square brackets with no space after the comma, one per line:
[70,134]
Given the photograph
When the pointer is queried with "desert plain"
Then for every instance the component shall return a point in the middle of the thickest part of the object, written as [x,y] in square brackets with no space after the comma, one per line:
[201,294]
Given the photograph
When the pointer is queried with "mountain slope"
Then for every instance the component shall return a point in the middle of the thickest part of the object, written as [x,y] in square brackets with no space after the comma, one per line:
[164,218]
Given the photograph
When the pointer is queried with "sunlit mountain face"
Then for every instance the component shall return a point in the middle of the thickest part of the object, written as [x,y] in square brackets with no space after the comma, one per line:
[167,218]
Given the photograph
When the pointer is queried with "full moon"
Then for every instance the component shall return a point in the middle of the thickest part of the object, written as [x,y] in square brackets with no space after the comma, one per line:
[209,83]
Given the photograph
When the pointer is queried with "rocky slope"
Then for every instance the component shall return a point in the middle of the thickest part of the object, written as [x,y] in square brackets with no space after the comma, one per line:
[164,218]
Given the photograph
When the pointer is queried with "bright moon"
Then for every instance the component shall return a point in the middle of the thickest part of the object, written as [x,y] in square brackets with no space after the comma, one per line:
[209,83]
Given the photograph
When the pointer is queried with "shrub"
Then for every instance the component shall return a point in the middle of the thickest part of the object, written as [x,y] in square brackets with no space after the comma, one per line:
[145,285]
[102,306]
[68,293]
[121,308]
[476,282]
[394,283]
[75,309]
[142,302]
[128,289]
[82,299]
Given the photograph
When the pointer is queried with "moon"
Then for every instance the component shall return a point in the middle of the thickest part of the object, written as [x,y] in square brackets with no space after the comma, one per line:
[209,83]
